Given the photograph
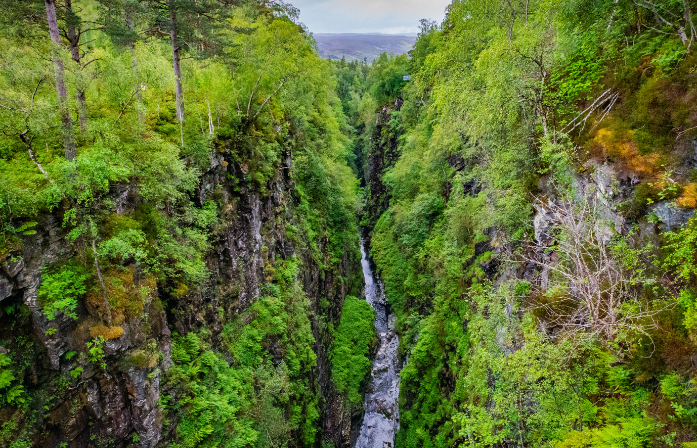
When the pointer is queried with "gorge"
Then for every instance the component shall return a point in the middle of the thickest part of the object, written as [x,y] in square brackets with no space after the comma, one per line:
[212,237]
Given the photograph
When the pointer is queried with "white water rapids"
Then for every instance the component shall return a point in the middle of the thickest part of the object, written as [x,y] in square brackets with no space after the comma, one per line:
[381,420]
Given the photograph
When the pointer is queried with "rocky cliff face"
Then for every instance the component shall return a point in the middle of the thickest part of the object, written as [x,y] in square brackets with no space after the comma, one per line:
[620,206]
[117,405]
[383,154]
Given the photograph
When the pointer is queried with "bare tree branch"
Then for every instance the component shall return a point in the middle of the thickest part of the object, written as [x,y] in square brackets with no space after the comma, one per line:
[127,103]
[251,97]
[581,118]
[585,289]
[267,99]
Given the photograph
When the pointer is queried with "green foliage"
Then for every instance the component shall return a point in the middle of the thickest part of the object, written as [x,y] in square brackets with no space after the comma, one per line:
[581,73]
[351,348]
[264,395]
[681,250]
[61,288]
[672,386]
[213,398]
[95,351]
[11,434]
[274,352]
[135,211]
[557,158]
[11,391]
[386,77]
[681,257]
[125,246]
[485,128]
[635,432]
[27,228]
[76,372]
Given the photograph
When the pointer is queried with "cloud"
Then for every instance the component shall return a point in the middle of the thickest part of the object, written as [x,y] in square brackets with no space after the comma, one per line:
[368,16]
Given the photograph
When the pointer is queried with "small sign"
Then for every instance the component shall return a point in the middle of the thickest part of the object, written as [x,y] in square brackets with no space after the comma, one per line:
[406,78]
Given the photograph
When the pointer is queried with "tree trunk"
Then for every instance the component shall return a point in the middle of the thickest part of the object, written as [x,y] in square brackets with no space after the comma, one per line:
[211,128]
[688,23]
[62,91]
[176,60]
[637,17]
[74,40]
[136,72]
[27,144]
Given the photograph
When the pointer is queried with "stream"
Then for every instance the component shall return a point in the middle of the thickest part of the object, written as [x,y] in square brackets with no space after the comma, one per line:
[381,420]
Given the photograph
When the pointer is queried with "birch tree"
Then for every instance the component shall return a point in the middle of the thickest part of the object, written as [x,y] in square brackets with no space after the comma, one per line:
[61,89]
[123,22]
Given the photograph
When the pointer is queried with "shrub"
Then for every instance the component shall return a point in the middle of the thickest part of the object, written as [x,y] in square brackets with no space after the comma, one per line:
[61,289]
[95,352]
[350,361]
[9,393]
[213,395]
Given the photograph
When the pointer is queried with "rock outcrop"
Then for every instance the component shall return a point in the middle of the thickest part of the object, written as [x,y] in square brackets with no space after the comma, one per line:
[116,402]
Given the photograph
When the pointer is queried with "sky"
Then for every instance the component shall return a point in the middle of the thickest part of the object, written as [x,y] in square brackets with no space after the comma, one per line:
[368,16]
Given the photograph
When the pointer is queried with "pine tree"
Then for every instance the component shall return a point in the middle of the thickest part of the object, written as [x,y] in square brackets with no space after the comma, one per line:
[192,28]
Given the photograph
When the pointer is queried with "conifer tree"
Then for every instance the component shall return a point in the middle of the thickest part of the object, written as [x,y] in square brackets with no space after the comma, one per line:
[191,26]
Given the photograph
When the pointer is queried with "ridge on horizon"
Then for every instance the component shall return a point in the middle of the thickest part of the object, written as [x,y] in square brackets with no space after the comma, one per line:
[366,34]
[362,46]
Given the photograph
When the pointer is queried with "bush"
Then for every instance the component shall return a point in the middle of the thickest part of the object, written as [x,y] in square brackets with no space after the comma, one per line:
[10,392]
[61,289]
[213,396]
[349,353]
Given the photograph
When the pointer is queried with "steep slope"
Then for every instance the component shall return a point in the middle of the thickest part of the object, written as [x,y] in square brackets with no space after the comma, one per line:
[179,281]
[532,223]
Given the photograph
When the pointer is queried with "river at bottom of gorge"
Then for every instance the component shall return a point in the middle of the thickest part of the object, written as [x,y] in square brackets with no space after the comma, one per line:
[381,420]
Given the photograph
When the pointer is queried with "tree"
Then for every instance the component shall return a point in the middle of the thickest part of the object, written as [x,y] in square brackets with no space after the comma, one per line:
[590,283]
[61,89]
[73,34]
[176,58]
[668,16]
[192,25]
[121,19]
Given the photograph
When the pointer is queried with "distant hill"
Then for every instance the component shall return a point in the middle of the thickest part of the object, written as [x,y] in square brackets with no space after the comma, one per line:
[360,46]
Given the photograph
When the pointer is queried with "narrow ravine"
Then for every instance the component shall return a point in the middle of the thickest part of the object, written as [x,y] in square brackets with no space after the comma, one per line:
[381,419]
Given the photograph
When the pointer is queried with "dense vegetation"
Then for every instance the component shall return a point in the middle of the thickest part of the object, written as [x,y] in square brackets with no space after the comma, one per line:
[527,194]
[354,338]
[131,132]
[528,197]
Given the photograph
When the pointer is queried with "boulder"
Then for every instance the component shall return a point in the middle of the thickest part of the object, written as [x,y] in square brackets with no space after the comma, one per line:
[543,223]
[5,288]
[13,267]
[670,216]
